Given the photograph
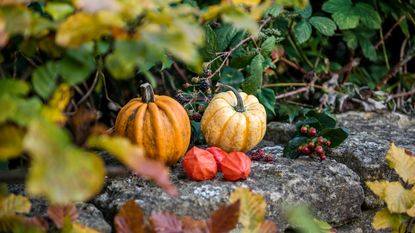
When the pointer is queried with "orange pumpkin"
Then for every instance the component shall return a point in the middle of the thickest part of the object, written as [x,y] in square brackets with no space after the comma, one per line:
[157,123]
[234,121]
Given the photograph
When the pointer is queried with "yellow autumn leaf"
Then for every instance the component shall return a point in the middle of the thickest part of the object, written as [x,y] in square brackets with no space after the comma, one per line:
[247,2]
[378,187]
[384,219]
[11,138]
[403,163]
[12,204]
[80,28]
[397,198]
[61,97]
[78,228]
[252,209]
[59,171]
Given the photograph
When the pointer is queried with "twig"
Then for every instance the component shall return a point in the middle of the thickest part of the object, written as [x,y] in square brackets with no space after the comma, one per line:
[389,33]
[293,65]
[18,176]
[403,94]
[88,93]
[180,72]
[290,93]
[229,53]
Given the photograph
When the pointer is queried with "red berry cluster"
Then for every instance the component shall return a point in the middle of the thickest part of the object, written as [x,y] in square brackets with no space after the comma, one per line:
[259,155]
[316,145]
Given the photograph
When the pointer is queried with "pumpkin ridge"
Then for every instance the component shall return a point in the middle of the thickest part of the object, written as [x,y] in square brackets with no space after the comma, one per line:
[129,120]
[156,126]
[121,118]
[213,114]
[246,133]
[173,121]
[139,124]
[133,108]
[222,131]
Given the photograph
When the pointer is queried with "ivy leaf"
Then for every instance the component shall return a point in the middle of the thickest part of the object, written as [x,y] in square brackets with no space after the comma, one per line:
[402,163]
[266,97]
[224,219]
[325,119]
[267,46]
[44,79]
[133,157]
[129,219]
[290,150]
[166,222]
[11,142]
[55,163]
[302,31]
[254,82]
[61,213]
[12,204]
[77,65]
[231,76]
[324,25]
[368,16]
[252,208]
[335,135]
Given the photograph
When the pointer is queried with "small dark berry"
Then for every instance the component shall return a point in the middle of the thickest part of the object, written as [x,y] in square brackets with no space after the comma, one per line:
[196,116]
[328,143]
[256,157]
[305,150]
[312,132]
[180,98]
[311,156]
[320,140]
[204,85]
[303,130]
[311,145]
[319,150]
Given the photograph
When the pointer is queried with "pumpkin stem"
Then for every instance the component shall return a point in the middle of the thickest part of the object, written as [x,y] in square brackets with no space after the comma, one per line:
[147,93]
[239,102]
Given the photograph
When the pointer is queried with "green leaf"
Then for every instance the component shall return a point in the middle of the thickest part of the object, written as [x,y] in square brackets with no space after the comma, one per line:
[335,135]
[302,31]
[44,79]
[274,10]
[241,20]
[346,19]
[310,121]
[290,150]
[231,76]
[254,82]
[306,12]
[8,108]
[288,110]
[59,171]
[13,87]
[324,25]
[225,34]
[211,44]
[266,97]
[77,65]
[368,49]
[58,10]
[304,222]
[351,39]
[326,119]
[368,16]
[26,110]
[333,6]
[242,57]
[267,46]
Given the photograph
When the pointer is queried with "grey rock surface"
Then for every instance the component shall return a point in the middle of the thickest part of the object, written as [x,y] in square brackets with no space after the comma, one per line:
[90,216]
[332,190]
[279,132]
[365,149]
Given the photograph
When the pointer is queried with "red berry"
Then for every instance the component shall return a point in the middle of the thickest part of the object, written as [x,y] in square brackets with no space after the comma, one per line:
[305,150]
[328,143]
[320,140]
[303,130]
[300,149]
[269,158]
[312,132]
[311,156]
[319,150]
[311,145]
[323,157]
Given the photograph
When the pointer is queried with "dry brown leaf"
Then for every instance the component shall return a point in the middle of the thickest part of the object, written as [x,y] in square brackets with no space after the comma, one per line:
[129,219]
[58,213]
[225,218]
[166,222]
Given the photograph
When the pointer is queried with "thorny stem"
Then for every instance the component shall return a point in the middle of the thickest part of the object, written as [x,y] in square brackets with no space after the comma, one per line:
[389,33]
[229,53]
